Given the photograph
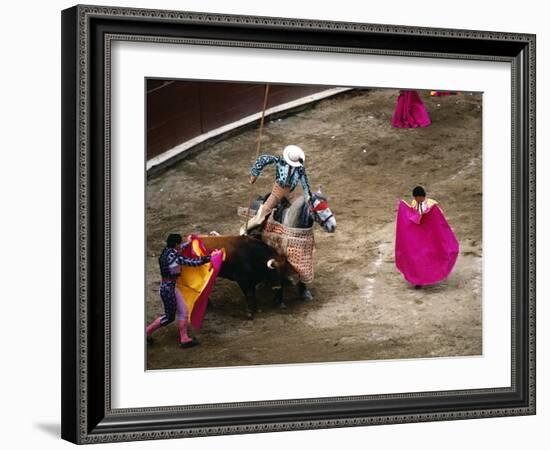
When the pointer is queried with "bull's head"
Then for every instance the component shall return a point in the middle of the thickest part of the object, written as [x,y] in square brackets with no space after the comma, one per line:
[278,263]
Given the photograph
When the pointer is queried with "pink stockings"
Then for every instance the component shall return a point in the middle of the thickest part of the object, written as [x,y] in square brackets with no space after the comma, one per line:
[153,326]
[173,300]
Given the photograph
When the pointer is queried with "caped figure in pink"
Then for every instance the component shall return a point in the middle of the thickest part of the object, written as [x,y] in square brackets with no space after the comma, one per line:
[426,247]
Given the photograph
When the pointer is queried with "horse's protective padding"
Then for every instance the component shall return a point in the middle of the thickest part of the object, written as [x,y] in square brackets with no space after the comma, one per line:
[295,244]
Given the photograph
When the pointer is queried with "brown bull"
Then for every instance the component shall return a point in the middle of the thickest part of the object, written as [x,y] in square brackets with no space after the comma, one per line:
[248,261]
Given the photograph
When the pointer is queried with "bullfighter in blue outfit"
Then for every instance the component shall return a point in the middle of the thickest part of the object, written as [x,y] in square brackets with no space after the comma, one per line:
[289,170]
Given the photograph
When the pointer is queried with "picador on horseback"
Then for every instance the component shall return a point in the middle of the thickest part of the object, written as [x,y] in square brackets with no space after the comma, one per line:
[287,216]
[289,170]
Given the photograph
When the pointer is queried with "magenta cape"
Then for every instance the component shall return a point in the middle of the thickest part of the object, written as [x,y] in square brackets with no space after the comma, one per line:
[425,247]
[410,111]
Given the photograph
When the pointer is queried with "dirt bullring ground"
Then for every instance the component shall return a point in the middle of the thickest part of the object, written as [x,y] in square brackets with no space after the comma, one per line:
[363,309]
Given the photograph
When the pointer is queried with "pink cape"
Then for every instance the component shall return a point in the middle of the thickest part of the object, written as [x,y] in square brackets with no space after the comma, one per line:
[425,247]
[199,307]
[410,111]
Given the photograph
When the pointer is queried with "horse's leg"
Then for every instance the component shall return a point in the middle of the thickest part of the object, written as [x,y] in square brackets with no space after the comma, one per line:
[305,293]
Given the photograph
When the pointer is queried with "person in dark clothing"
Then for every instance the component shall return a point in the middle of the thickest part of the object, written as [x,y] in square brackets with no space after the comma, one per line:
[170,262]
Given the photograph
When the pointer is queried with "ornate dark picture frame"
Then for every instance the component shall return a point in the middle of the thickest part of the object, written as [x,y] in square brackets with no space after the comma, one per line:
[87,34]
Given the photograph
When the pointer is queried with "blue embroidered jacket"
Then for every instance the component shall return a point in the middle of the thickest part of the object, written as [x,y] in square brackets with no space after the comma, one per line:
[170,260]
[281,172]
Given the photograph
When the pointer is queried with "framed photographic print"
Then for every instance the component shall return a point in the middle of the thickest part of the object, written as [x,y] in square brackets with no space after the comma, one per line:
[278,224]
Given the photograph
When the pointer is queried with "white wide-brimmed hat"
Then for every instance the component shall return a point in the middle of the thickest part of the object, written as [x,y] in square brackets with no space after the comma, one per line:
[294,155]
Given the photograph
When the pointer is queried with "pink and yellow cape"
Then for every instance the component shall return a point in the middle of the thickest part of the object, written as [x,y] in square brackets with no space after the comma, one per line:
[196,283]
[425,246]
[441,93]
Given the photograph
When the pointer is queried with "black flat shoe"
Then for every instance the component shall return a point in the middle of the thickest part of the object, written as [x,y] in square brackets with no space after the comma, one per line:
[150,340]
[189,344]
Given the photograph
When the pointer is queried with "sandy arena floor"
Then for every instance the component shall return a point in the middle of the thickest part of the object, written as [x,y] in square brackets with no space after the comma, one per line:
[363,309]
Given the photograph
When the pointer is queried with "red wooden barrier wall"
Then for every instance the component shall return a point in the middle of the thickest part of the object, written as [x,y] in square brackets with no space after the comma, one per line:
[181,110]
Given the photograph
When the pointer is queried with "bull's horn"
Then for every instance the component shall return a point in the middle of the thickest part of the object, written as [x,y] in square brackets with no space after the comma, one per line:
[271,263]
